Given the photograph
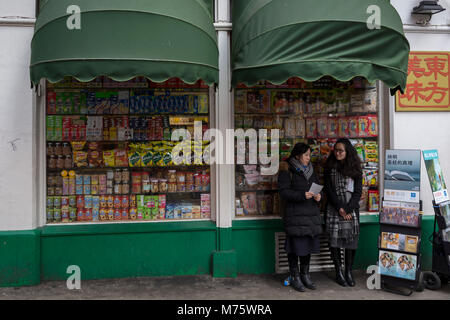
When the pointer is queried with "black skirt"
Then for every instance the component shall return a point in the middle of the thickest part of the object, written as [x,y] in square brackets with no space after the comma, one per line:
[302,246]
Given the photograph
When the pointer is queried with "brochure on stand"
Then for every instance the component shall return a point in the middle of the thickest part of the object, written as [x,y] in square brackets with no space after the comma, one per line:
[435,175]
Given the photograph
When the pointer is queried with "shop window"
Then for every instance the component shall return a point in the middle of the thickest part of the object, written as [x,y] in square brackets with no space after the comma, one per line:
[110,151]
[317,113]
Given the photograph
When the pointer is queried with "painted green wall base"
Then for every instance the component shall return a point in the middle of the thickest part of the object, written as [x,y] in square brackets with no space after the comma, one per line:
[105,251]
[128,250]
[19,258]
[224,264]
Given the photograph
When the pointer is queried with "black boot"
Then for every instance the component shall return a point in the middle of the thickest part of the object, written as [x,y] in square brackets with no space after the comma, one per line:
[349,258]
[336,257]
[296,283]
[304,272]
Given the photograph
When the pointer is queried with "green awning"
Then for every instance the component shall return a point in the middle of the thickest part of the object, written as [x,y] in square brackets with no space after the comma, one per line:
[275,40]
[158,39]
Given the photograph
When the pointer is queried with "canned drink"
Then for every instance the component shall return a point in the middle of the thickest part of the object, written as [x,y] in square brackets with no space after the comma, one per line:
[72,214]
[140,213]
[80,202]
[103,203]
[96,202]
[95,214]
[57,215]
[65,214]
[95,189]
[133,213]
[110,202]
[80,215]
[86,179]
[50,215]
[125,202]
[103,215]
[64,202]
[87,214]
[78,179]
[57,202]
[88,202]
[117,202]
[133,201]
[124,214]
[111,214]
[79,189]
[49,202]
[87,189]
[72,201]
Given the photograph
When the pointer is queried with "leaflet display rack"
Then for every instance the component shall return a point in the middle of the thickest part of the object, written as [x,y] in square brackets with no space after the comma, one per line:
[399,256]
[400,219]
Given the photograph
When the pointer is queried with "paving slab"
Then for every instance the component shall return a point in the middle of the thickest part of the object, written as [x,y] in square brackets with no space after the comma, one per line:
[205,287]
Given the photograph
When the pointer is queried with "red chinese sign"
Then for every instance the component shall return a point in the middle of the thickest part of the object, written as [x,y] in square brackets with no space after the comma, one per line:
[428,83]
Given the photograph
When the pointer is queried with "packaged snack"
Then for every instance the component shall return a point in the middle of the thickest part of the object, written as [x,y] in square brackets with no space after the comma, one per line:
[373,126]
[371,151]
[134,158]
[333,127]
[373,200]
[363,126]
[154,186]
[108,158]
[147,156]
[353,127]
[80,159]
[110,214]
[322,130]
[240,101]
[343,127]
[80,215]
[357,102]
[311,127]
[120,158]
[133,213]
[124,214]
[249,203]
[290,128]
[370,100]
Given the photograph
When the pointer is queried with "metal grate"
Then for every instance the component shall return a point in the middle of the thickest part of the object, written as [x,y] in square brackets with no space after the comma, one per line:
[319,262]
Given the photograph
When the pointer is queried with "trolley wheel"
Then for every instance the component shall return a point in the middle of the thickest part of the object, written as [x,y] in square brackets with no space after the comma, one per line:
[431,280]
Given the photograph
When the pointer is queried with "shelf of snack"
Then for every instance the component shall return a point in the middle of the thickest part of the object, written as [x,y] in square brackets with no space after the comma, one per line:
[314,113]
[109,152]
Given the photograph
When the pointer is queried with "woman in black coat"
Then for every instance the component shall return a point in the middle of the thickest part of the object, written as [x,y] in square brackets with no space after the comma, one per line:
[343,187]
[301,214]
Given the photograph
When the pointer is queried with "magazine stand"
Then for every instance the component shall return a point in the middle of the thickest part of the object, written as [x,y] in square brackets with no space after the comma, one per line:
[441,247]
[395,283]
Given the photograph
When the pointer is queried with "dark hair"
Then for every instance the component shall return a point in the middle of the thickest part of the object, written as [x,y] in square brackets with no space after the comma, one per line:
[351,165]
[299,149]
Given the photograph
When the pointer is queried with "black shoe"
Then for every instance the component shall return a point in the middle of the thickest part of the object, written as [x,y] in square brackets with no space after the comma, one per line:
[349,258]
[336,257]
[304,272]
[296,283]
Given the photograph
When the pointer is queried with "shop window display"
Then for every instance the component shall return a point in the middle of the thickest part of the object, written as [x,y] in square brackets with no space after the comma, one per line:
[109,151]
[317,113]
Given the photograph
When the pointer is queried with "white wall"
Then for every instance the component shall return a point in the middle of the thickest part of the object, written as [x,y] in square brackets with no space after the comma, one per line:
[16,119]
[424,130]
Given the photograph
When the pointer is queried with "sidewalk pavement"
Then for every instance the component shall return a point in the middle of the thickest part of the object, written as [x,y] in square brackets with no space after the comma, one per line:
[204,287]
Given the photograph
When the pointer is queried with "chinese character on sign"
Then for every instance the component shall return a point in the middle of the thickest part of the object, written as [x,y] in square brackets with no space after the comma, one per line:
[428,83]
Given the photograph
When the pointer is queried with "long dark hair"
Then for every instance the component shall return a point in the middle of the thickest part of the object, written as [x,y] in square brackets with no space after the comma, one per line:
[351,165]
[299,149]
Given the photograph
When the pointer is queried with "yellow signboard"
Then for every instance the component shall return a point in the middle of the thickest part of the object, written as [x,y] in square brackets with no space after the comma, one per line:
[428,83]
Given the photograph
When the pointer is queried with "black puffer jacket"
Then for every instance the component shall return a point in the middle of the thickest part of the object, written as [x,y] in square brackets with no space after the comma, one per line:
[301,216]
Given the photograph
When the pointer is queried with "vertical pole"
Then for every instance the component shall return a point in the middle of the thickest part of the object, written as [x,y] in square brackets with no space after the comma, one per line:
[224,258]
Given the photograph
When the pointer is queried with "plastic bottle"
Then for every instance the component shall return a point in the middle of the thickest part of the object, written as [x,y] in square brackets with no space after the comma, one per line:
[287,281]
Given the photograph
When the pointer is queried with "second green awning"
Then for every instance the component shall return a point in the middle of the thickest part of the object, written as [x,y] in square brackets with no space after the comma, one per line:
[158,39]
[275,40]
